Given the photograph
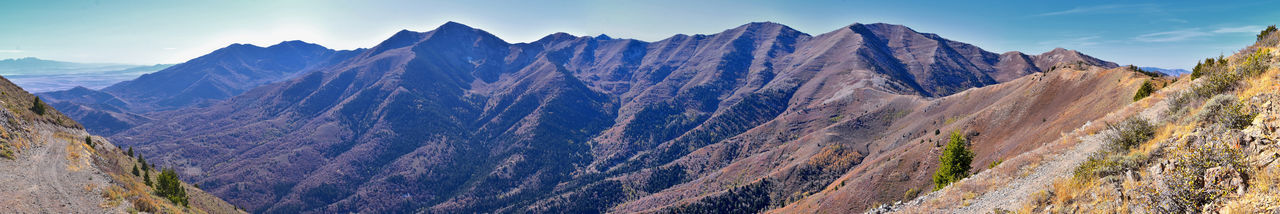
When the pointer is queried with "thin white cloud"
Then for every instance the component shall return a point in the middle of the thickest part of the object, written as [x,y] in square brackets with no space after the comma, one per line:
[1172,36]
[1191,33]
[11,51]
[1241,29]
[1111,8]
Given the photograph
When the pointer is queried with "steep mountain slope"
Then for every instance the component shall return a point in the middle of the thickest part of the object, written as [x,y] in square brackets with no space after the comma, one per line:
[457,120]
[1042,106]
[219,75]
[50,165]
[1203,144]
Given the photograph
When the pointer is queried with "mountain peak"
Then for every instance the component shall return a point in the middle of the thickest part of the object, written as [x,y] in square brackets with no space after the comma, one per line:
[455,31]
[234,46]
[1063,55]
[763,24]
[556,37]
[451,25]
[886,25]
[292,43]
[297,44]
[1060,50]
[79,89]
[401,39]
[758,26]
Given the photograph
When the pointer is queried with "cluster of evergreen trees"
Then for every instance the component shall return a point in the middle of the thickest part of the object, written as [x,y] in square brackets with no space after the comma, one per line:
[167,184]
[1202,67]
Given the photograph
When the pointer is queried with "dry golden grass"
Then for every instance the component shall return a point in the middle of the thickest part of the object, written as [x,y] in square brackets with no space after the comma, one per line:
[79,156]
[967,197]
[1262,194]
[114,195]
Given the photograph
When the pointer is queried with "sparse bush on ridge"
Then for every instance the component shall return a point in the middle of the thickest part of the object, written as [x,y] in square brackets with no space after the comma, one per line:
[37,106]
[1144,91]
[1102,165]
[1179,104]
[1221,80]
[1207,66]
[1224,110]
[1129,133]
[1266,32]
[1114,159]
[1185,180]
[1265,38]
[954,162]
[910,194]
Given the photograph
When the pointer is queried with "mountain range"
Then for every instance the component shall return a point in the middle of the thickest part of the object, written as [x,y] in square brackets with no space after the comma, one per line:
[1168,71]
[455,119]
[216,76]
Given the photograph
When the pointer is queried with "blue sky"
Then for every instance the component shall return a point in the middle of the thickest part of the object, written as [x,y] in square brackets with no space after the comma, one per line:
[1171,34]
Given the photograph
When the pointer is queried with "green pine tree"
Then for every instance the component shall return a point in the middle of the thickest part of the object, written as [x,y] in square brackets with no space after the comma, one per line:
[37,106]
[143,162]
[130,152]
[954,162]
[170,187]
[1144,91]
[135,171]
[146,177]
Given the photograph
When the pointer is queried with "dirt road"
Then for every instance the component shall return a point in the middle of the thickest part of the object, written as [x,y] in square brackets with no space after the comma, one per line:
[52,175]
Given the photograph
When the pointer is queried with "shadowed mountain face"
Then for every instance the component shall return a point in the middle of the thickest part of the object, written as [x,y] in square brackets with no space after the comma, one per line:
[457,120]
[219,75]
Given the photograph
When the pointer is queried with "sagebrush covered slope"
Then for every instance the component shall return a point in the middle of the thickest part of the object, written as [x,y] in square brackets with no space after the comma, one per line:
[1206,143]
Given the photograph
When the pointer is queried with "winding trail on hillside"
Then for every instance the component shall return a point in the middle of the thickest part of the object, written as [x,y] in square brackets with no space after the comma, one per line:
[1059,166]
[1018,191]
[38,179]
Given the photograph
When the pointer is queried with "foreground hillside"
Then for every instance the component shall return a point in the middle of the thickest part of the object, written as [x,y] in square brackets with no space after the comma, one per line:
[1000,121]
[1206,143]
[48,164]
